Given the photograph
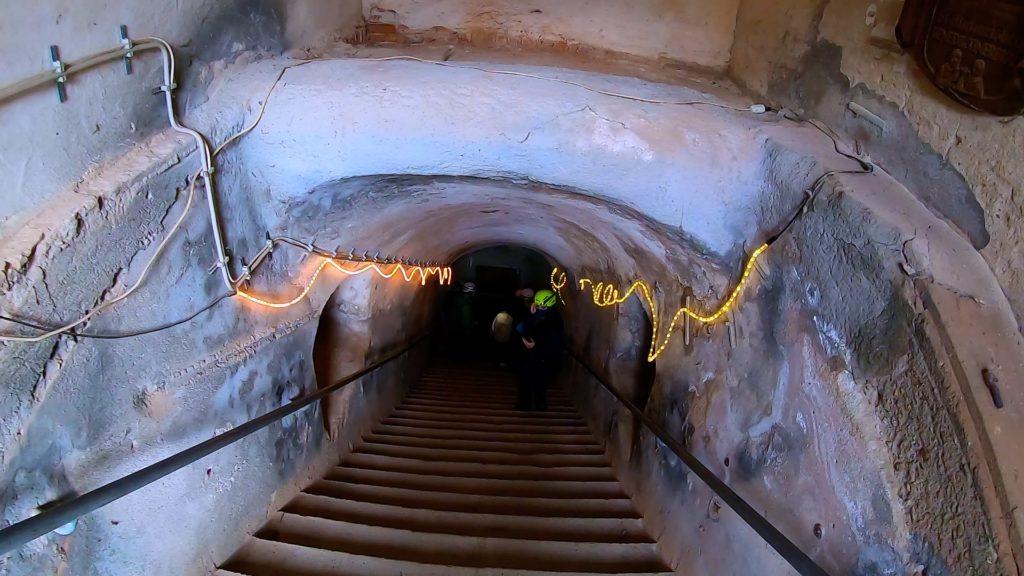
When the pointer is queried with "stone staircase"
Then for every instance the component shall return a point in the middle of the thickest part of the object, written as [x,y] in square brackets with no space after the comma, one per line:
[455,482]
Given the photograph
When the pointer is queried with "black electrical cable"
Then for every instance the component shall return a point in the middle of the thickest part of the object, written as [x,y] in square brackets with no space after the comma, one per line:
[866,168]
[121,335]
[865,165]
[809,196]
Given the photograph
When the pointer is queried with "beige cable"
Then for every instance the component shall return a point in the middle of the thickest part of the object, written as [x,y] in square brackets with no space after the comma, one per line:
[104,305]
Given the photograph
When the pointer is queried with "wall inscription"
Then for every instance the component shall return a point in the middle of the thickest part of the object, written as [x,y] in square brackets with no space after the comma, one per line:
[973,50]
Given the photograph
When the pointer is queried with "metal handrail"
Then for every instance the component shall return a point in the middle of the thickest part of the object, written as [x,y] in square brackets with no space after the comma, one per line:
[800,561]
[49,520]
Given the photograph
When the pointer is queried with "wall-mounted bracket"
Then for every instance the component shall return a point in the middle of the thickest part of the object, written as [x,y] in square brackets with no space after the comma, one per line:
[246,275]
[730,324]
[687,321]
[861,112]
[129,53]
[164,88]
[62,77]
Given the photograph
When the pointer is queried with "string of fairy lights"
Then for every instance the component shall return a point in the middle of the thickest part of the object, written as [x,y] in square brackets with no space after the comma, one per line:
[410,273]
[606,294]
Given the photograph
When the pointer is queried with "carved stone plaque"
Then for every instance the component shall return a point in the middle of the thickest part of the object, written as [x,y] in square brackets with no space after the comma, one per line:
[973,50]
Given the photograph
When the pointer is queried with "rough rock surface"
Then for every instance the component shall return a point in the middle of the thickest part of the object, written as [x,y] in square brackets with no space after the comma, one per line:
[816,57]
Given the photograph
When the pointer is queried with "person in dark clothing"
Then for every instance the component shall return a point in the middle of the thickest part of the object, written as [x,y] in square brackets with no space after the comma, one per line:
[520,309]
[541,335]
[514,309]
[465,324]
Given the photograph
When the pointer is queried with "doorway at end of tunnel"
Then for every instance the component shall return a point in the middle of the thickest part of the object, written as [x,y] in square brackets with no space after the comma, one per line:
[478,314]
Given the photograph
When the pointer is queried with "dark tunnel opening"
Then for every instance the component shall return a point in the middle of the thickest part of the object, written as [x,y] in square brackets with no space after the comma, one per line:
[476,317]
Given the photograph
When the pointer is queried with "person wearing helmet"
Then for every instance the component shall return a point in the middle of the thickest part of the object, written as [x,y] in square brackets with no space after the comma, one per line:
[541,336]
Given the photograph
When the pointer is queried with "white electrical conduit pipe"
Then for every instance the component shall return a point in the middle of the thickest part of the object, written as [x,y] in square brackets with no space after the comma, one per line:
[205,172]
[207,169]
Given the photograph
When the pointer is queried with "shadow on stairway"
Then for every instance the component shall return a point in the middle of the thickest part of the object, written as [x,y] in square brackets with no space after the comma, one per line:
[457,482]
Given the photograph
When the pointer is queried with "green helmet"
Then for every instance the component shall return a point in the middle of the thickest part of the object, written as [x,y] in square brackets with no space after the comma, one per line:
[545,299]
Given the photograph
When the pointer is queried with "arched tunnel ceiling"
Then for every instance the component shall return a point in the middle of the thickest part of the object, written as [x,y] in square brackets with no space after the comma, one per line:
[446,217]
[698,168]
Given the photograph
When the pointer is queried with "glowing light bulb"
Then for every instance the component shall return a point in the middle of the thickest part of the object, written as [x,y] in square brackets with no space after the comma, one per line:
[605,294]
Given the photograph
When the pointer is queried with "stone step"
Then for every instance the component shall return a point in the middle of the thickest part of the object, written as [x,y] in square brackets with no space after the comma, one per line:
[446,434]
[470,524]
[479,486]
[529,418]
[474,503]
[497,410]
[526,447]
[517,428]
[459,404]
[472,470]
[459,550]
[445,455]
[268,558]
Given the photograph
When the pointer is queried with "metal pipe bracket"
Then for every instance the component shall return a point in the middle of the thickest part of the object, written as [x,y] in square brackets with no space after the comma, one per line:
[61,70]
[129,53]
